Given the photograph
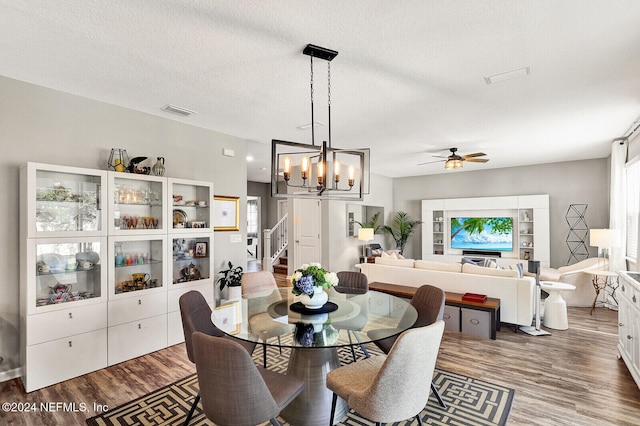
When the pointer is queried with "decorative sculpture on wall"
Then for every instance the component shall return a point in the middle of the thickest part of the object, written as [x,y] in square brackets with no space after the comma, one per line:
[578,231]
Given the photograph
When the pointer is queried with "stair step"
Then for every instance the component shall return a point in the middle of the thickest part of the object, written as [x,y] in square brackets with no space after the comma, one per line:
[280,269]
[284,260]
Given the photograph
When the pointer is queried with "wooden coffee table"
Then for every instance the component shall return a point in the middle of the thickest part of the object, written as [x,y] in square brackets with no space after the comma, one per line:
[490,305]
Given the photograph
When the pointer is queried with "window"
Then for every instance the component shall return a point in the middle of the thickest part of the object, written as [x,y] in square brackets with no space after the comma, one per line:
[252,217]
[633,209]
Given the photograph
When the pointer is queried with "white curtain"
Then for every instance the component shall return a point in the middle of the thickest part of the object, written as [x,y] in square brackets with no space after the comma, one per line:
[617,204]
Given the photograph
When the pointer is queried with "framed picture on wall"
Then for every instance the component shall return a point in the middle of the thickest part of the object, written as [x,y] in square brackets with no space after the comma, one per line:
[226,213]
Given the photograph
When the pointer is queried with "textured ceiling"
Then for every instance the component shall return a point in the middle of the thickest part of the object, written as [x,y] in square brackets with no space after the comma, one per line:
[408,80]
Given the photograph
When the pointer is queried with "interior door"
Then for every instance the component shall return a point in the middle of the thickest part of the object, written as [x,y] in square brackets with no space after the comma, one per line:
[306,232]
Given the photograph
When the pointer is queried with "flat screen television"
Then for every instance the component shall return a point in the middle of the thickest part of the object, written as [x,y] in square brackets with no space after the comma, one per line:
[482,233]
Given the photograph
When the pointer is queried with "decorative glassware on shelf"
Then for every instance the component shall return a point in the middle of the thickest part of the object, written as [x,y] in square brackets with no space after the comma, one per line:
[310,282]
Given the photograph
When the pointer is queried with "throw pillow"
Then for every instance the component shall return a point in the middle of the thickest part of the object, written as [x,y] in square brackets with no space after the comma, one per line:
[479,270]
[469,261]
[517,267]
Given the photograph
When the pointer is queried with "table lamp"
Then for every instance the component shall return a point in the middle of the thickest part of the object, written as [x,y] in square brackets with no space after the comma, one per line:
[604,239]
[365,234]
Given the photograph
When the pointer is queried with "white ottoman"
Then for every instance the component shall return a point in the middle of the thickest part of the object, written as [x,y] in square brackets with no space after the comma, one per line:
[555,307]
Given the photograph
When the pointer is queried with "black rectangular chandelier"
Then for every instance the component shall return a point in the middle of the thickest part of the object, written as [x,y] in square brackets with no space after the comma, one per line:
[300,170]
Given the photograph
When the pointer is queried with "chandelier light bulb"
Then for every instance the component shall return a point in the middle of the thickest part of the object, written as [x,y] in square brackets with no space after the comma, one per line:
[304,167]
[287,168]
[320,173]
[336,170]
[352,175]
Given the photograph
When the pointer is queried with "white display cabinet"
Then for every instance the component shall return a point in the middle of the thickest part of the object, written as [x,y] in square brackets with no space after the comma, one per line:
[629,322]
[191,206]
[61,201]
[64,272]
[137,204]
[137,265]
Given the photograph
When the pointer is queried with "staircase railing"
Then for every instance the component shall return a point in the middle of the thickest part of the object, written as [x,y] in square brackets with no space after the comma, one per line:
[275,242]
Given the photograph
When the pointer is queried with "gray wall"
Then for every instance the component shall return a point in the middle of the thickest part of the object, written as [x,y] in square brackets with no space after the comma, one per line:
[575,182]
[47,126]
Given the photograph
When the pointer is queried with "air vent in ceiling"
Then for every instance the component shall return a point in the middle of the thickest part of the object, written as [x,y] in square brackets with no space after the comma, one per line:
[497,78]
[178,110]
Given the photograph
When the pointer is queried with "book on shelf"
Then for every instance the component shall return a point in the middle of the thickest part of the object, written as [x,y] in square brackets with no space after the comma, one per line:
[474,297]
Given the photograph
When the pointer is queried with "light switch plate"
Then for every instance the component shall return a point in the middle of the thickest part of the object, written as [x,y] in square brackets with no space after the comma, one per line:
[235,238]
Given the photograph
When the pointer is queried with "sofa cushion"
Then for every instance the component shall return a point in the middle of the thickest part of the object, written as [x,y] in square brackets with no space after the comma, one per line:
[438,266]
[403,263]
[479,270]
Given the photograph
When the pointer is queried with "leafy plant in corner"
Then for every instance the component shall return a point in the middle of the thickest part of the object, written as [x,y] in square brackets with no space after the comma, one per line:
[401,229]
[371,223]
[231,277]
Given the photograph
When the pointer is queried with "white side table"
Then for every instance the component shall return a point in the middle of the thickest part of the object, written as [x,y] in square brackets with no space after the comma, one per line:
[555,307]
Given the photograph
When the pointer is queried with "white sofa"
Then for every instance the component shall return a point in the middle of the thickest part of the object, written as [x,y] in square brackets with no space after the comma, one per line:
[516,294]
[574,274]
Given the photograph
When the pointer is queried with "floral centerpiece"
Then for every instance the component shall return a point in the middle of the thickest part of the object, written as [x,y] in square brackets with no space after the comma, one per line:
[310,282]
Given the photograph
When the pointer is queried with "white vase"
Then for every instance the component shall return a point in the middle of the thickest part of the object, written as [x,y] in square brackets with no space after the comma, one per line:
[235,292]
[318,300]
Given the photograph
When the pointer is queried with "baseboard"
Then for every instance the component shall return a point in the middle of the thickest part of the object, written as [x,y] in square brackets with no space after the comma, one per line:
[10,374]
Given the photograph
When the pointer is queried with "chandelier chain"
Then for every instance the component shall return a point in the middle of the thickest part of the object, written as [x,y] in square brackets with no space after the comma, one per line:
[329,82]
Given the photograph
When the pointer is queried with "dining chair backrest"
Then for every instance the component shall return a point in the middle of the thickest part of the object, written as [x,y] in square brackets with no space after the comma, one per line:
[254,282]
[429,302]
[352,282]
[231,387]
[196,316]
[401,387]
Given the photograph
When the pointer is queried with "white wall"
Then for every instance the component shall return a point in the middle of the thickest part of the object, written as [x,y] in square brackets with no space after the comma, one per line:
[47,126]
[575,182]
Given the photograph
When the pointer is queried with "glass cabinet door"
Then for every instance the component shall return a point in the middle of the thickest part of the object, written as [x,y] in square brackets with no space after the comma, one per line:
[138,264]
[136,204]
[67,271]
[192,261]
[63,201]
[191,208]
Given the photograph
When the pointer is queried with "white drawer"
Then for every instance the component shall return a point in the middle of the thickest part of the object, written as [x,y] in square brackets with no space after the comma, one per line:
[65,322]
[62,359]
[136,338]
[136,308]
[175,332]
[174,295]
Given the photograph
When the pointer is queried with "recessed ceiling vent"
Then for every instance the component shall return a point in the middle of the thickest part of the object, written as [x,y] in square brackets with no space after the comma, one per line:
[178,110]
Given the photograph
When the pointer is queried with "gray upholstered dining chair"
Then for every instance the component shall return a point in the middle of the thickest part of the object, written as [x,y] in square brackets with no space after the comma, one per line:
[429,303]
[393,387]
[196,316]
[352,282]
[261,290]
[234,390]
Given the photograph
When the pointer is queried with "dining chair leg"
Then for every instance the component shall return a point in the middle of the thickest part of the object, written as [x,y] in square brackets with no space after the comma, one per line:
[264,355]
[438,397]
[334,400]
[274,421]
[366,354]
[279,345]
[353,352]
[419,419]
[192,410]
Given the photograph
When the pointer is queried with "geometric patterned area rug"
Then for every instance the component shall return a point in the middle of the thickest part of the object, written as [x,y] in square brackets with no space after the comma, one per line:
[469,401]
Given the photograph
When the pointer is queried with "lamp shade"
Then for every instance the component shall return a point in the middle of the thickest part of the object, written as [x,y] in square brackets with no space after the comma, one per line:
[604,238]
[365,234]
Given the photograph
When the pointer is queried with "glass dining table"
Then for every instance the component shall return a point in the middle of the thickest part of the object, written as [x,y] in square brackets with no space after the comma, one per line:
[275,318]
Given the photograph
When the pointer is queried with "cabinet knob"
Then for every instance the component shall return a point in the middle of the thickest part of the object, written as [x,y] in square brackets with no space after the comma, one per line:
[70,315]
[622,287]
[70,344]
[620,324]
[139,302]
[139,326]
[629,337]
[634,298]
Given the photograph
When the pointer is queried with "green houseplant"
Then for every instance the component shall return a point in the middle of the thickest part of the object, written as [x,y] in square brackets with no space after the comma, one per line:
[371,223]
[231,277]
[401,229]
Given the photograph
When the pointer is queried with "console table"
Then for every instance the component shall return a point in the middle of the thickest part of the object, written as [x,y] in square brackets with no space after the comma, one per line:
[491,305]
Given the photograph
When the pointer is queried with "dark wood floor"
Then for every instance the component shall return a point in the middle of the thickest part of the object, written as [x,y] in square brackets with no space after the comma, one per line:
[572,377]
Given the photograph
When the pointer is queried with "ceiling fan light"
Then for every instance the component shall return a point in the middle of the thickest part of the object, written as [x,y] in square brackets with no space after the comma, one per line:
[452,164]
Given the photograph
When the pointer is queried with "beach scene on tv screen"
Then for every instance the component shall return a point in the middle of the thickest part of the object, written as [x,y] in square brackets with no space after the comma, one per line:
[482,233]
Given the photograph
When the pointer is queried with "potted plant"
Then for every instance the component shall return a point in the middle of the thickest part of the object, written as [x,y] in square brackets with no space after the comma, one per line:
[232,279]
[401,229]
[371,223]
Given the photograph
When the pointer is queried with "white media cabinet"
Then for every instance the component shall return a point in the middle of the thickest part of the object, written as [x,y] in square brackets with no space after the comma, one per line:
[530,213]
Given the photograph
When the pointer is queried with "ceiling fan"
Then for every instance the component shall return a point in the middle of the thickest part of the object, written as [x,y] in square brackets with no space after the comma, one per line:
[454,161]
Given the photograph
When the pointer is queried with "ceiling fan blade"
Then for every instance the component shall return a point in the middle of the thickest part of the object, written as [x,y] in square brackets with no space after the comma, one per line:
[440,156]
[476,160]
[430,162]
[477,154]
